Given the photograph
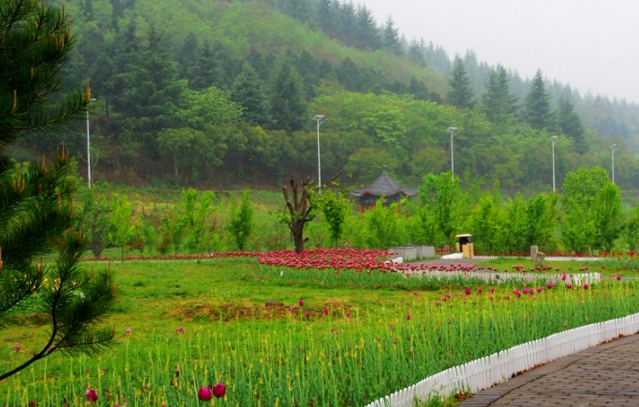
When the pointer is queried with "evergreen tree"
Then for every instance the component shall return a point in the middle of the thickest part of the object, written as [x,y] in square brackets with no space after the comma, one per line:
[418,89]
[366,33]
[249,92]
[497,102]
[416,52]
[287,99]
[537,112]
[569,123]
[36,212]
[390,37]
[461,93]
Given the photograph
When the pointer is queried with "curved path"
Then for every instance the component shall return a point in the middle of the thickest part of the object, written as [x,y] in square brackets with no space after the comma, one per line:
[605,375]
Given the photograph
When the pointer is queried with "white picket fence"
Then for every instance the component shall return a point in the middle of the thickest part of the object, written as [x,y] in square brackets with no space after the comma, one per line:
[497,277]
[483,373]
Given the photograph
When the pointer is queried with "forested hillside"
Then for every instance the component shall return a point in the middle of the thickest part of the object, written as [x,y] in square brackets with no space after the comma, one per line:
[223,93]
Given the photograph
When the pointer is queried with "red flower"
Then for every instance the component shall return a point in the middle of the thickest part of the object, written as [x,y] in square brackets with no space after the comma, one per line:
[92,396]
[219,390]
[204,394]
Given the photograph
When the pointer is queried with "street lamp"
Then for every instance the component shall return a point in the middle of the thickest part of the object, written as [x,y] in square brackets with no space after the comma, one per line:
[554,140]
[452,131]
[613,148]
[91,101]
[320,119]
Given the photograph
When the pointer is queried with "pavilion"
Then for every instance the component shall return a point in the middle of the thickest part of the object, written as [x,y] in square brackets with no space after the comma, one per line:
[383,187]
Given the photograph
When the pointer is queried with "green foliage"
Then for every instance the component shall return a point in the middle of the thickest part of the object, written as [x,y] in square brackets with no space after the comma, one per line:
[444,206]
[461,93]
[240,223]
[334,206]
[606,214]
[37,217]
[122,228]
[95,220]
[580,191]
[537,111]
[384,226]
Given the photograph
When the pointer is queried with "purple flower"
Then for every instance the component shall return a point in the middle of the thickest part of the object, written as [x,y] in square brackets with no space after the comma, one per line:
[204,394]
[16,347]
[128,331]
[219,390]
[92,396]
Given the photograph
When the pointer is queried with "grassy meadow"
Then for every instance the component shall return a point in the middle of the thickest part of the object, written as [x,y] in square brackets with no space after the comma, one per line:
[287,337]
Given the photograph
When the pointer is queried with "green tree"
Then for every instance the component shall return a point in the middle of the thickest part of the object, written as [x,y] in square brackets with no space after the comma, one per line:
[287,99]
[580,191]
[240,223]
[486,222]
[461,92]
[497,102]
[537,111]
[36,211]
[384,226]
[606,215]
[542,218]
[122,227]
[249,92]
[569,123]
[334,206]
[390,37]
[443,200]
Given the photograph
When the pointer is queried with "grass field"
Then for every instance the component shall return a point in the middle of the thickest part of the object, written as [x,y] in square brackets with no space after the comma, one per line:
[352,338]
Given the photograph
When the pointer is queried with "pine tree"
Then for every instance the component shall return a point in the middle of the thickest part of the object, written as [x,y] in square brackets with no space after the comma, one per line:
[36,210]
[569,123]
[498,103]
[390,37]
[249,92]
[461,93]
[537,112]
[287,99]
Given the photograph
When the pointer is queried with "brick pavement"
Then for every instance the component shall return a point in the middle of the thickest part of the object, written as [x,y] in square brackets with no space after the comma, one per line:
[606,375]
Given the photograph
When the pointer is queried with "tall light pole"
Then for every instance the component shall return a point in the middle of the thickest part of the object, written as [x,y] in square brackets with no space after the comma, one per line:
[554,140]
[320,119]
[89,146]
[452,131]
[613,148]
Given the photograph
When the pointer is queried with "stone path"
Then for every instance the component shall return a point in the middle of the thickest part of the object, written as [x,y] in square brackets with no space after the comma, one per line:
[606,375]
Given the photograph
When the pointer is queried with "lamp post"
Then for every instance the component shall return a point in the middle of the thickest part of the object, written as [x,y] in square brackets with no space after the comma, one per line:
[613,148]
[554,140]
[452,131]
[320,119]
[92,100]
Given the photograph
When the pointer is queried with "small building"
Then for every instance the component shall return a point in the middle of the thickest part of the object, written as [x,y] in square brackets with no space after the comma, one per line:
[383,187]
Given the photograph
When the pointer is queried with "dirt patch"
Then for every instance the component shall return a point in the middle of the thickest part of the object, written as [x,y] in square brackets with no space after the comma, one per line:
[269,311]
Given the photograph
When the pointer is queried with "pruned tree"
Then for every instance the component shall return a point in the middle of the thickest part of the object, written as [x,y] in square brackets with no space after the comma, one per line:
[300,210]
[37,217]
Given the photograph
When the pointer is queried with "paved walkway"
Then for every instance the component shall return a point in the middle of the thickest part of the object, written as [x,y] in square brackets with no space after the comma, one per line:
[606,375]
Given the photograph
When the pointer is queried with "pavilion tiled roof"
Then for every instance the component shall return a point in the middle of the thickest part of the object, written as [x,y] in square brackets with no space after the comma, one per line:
[384,185]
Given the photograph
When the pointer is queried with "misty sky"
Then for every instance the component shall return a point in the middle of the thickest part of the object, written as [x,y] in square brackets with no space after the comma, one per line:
[589,44]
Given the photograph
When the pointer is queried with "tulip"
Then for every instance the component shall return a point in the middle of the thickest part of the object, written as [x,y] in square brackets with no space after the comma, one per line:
[408,317]
[618,277]
[219,390]
[204,394]
[568,286]
[325,311]
[16,347]
[492,289]
[301,302]
[128,331]
[549,286]
[437,303]
[586,286]
[540,289]
[179,330]
[92,396]
[467,291]
[563,276]
[307,314]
